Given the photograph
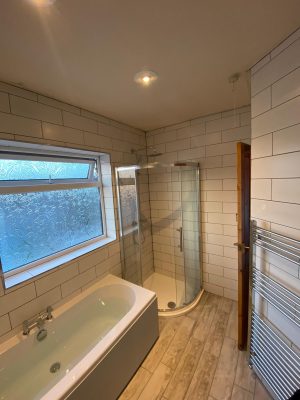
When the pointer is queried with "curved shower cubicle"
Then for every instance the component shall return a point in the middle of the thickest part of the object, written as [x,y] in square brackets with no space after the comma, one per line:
[159,209]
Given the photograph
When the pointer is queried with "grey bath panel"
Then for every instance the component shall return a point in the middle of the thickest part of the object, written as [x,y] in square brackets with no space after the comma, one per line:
[107,380]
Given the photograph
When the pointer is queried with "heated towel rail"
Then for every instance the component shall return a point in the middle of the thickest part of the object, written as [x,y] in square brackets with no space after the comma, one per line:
[275,362]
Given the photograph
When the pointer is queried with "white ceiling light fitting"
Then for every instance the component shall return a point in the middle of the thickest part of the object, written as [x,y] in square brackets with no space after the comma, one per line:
[42,3]
[145,77]
[234,78]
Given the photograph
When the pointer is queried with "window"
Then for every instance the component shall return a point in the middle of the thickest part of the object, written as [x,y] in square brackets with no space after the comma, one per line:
[50,204]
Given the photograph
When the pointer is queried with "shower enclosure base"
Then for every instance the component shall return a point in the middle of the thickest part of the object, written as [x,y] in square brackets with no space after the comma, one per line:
[169,290]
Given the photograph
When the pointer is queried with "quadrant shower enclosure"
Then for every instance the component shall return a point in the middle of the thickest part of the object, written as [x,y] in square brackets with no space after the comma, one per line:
[159,209]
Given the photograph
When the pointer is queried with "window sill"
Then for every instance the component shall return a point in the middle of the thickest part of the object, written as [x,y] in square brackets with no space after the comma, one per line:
[20,277]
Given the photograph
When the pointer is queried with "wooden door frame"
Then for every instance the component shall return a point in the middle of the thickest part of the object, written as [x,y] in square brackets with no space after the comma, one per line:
[243,219]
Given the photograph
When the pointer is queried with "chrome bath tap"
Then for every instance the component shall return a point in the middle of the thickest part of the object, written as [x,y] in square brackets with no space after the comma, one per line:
[37,322]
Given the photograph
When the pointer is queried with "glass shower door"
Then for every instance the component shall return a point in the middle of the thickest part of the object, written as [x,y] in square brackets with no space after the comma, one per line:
[129,224]
[188,260]
[174,270]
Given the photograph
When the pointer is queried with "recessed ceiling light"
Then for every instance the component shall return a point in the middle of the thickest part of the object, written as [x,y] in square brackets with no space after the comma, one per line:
[145,78]
[42,3]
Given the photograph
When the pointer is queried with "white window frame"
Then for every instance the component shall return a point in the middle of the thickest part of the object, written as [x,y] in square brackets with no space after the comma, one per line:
[35,152]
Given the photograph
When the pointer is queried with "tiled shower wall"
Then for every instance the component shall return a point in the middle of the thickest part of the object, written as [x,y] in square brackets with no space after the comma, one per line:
[211,141]
[174,204]
[26,116]
[275,86]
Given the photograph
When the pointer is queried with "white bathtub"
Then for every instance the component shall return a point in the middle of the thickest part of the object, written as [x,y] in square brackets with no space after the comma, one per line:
[99,338]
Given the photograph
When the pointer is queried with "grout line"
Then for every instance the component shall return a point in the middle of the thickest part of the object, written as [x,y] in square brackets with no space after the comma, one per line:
[272,50]
[62,110]
[274,82]
[277,106]
[282,42]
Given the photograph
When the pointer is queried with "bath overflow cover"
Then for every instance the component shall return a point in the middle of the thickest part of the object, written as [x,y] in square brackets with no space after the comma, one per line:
[55,367]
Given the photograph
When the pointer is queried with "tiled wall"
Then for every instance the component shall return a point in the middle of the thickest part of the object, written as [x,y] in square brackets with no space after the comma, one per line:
[29,117]
[165,192]
[275,86]
[211,141]
[174,204]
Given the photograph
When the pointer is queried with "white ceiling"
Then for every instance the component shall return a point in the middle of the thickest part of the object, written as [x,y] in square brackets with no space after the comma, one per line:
[86,52]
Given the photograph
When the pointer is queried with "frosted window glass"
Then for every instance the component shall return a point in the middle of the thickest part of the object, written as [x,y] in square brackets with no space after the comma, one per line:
[36,225]
[18,170]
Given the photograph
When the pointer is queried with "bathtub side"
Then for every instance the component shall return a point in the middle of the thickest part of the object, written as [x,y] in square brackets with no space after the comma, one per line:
[112,374]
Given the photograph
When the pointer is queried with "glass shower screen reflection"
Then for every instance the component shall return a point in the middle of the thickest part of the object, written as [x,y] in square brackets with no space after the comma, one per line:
[129,224]
[190,215]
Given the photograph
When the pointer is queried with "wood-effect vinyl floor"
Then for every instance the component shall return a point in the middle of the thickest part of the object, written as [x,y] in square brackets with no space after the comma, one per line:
[196,357]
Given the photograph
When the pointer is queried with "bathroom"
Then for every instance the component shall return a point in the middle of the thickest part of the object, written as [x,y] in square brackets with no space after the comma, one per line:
[145,253]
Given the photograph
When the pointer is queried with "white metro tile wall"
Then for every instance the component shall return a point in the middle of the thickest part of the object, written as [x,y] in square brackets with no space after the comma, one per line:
[26,116]
[276,68]
[275,204]
[211,141]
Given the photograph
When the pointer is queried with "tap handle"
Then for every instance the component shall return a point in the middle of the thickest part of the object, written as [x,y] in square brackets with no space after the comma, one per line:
[49,310]
[25,327]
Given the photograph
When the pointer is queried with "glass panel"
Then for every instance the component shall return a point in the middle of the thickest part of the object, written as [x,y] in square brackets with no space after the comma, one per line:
[146,244]
[36,225]
[166,219]
[190,225]
[129,224]
[20,170]
[178,237]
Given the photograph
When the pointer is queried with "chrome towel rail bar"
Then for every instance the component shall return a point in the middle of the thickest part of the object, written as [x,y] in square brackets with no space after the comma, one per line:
[277,295]
[274,360]
[283,246]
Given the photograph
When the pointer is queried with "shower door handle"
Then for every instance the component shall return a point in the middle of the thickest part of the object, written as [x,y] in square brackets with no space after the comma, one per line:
[181,238]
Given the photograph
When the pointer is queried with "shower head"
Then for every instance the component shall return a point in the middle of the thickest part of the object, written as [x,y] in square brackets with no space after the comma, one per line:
[154,154]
